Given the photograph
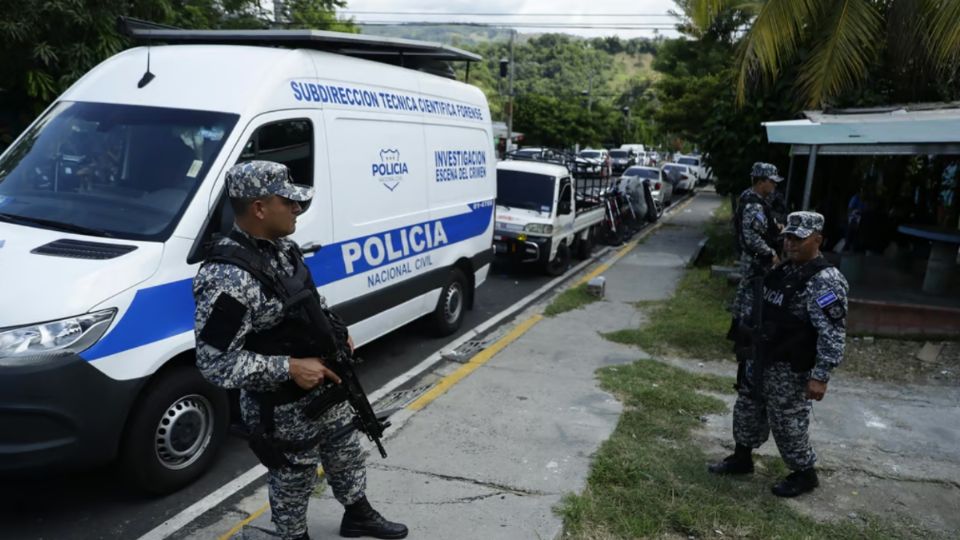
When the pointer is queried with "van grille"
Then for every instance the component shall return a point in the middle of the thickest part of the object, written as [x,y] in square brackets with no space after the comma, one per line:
[78,249]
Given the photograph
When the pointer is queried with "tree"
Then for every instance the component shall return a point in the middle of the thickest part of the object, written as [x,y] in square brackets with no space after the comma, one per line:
[48,44]
[696,106]
[837,45]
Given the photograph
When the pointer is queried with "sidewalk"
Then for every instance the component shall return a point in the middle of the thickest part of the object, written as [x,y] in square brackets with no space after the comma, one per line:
[493,455]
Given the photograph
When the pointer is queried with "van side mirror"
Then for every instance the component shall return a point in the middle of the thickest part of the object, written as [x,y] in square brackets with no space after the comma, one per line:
[563,208]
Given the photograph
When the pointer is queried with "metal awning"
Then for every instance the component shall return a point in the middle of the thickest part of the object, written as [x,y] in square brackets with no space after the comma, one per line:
[917,149]
[907,125]
[357,45]
[916,129]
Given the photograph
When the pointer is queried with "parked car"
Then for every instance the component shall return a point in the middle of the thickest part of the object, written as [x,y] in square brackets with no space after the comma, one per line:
[621,160]
[681,176]
[661,192]
[695,163]
[535,153]
[600,158]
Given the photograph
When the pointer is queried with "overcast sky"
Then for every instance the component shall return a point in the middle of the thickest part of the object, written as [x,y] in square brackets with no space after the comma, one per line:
[599,13]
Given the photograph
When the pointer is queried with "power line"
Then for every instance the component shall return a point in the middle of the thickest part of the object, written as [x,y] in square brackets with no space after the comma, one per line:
[467,13]
[504,24]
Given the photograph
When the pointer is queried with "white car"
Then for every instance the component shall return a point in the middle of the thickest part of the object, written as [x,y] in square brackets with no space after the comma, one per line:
[661,191]
[601,157]
[696,164]
[681,176]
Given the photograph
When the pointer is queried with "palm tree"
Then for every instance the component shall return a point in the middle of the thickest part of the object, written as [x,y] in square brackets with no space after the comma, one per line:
[835,43]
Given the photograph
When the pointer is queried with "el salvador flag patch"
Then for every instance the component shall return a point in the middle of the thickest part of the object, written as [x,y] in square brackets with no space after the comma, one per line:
[826,300]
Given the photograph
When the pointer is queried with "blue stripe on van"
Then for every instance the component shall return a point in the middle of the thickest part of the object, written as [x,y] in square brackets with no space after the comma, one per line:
[167,310]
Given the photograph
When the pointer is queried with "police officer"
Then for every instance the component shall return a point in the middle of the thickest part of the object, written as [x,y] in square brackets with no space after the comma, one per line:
[240,310]
[804,309]
[757,231]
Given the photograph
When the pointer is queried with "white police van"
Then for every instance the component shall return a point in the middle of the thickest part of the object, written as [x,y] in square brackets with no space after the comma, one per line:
[110,199]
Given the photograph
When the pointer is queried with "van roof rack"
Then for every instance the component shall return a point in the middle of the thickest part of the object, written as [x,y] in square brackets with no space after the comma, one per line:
[423,55]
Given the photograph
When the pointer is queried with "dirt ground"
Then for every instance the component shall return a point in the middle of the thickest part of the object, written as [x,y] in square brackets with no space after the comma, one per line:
[934,363]
[887,448]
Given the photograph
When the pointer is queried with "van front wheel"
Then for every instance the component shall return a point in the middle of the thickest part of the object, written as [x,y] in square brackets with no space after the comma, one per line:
[179,424]
[448,315]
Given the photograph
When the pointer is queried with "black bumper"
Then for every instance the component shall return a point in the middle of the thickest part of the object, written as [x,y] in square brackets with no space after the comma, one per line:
[509,246]
[58,411]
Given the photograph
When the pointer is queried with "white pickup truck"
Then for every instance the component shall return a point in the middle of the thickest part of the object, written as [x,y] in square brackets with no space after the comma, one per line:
[544,214]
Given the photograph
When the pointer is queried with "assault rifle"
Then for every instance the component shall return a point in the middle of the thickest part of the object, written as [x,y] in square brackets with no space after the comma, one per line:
[331,344]
[755,331]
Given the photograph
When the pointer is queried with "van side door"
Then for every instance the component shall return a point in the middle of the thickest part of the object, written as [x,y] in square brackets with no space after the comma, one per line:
[295,139]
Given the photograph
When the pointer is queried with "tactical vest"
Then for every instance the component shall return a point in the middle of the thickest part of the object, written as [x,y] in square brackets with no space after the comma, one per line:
[770,235]
[293,336]
[787,337]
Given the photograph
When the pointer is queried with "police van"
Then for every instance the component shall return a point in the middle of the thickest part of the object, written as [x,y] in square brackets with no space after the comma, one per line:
[110,200]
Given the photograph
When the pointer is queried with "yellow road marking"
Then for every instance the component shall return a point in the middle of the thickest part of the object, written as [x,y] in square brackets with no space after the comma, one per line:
[478,360]
[257,513]
[236,528]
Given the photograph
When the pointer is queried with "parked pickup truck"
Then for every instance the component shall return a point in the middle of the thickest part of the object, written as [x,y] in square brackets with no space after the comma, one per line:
[544,214]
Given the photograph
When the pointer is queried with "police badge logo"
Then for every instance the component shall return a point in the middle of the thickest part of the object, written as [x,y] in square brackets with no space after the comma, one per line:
[391,170]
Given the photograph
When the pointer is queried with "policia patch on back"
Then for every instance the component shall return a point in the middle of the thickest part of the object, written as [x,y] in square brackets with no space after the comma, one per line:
[831,306]
[224,322]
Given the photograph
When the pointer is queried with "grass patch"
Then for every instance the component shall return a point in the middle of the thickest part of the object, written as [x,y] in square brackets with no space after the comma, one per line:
[693,323]
[649,481]
[569,300]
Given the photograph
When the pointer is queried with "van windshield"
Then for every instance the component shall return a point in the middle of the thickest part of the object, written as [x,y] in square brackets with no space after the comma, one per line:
[525,190]
[689,161]
[110,170]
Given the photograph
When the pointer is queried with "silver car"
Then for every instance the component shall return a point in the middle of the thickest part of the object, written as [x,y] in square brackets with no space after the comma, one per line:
[660,191]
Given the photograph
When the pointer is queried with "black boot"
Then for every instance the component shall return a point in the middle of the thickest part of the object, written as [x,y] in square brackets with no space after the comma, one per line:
[740,462]
[797,483]
[360,519]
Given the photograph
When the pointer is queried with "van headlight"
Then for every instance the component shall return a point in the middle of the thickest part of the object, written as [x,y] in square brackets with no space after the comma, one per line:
[538,228]
[74,334]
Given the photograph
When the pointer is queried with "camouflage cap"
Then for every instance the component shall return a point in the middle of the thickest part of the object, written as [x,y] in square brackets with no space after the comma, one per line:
[254,179]
[766,170]
[803,224]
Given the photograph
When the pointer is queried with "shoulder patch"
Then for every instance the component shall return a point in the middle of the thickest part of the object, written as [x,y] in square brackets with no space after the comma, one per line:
[225,320]
[826,299]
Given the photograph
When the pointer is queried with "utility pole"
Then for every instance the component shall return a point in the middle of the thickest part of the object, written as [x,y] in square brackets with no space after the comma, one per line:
[513,32]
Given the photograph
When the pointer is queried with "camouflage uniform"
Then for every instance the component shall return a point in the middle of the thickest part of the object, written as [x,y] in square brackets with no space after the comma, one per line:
[784,407]
[230,366]
[754,237]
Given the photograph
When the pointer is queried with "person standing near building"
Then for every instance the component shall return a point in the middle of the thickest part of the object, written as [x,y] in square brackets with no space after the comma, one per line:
[804,309]
[245,296]
[757,232]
